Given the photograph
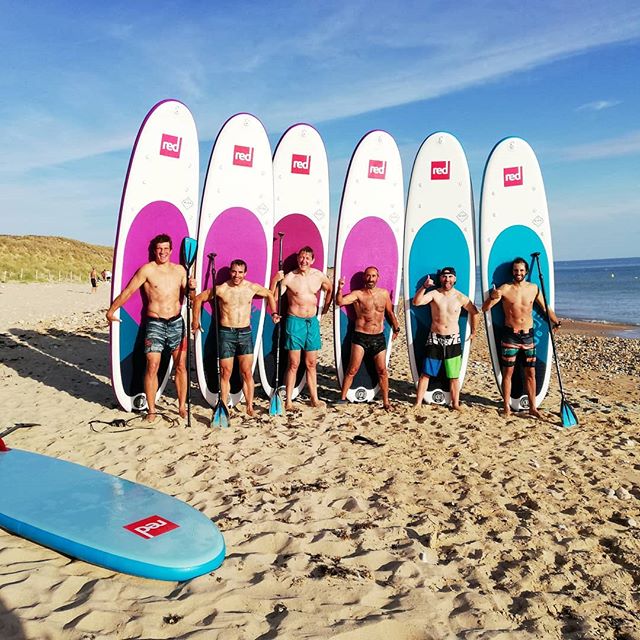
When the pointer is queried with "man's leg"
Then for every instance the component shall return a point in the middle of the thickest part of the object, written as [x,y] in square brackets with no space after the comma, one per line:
[180,369]
[290,376]
[423,385]
[530,384]
[151,382]
[454,389]
[355,360]
[311,363]
[246,363]
[226,369]
[379,360]
[507,374]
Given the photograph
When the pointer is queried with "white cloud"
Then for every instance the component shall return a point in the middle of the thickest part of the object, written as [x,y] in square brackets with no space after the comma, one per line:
[624,145]
[598,105]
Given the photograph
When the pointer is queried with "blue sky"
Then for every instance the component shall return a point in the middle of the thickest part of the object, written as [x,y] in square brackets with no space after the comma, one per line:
[77,79]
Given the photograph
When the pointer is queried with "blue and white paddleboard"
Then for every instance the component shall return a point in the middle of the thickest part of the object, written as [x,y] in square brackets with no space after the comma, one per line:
[514,222]
[108,521]
[439,232]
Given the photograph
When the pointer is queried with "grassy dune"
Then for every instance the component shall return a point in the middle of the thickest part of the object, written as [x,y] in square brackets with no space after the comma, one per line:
[50,258]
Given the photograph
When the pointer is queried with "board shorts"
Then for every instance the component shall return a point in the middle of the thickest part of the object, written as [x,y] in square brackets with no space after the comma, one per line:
[441,350]
[94,283]
[163,333]
[514,341]
[235,341]
[372,343]
[302,333]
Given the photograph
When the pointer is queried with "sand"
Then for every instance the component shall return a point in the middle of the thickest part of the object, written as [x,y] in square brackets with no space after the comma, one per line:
[458,525]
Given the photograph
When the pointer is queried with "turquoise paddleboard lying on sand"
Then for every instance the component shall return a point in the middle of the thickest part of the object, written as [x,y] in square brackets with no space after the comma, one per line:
[108,521]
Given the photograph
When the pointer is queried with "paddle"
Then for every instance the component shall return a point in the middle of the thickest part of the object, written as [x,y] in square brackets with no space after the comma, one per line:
[567,414]
[220,412]
[276,407]
[187,257]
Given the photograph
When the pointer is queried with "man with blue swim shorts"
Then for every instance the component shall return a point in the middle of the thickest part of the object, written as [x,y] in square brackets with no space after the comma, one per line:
[302,329]
[235,297]
[163,283]
[444,348]
[518,298]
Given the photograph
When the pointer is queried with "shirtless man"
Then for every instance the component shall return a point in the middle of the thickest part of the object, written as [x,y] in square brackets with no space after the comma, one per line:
[443,344]
[93,276]
[518,298]
[236,338]
[370,305]
[163,282]
[302,329]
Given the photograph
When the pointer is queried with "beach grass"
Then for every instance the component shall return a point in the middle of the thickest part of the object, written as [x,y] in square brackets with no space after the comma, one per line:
[50,258]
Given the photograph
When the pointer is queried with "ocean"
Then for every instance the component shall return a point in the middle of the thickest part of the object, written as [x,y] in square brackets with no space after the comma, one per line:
[598,290]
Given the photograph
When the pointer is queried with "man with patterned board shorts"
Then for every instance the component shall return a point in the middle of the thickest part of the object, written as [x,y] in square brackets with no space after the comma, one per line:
[443,344]
[518,298]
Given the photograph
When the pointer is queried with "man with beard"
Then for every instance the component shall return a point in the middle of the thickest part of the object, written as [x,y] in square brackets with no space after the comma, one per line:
[518,298]
[236,337]
[370,305]
[443,344]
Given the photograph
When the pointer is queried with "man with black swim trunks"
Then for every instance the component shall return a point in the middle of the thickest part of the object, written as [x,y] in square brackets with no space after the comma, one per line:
[163,283]
[370,305]
[235,297]
[443,344]
[518,298]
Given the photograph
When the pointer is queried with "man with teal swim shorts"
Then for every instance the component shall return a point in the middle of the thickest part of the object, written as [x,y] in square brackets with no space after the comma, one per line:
[302,328]
[443,346]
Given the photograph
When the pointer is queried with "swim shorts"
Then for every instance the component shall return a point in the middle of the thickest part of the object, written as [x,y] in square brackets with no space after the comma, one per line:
[372,343]
[302,333]
[163,333]
[514,341]
[235,341]
[94,283]
[443,349]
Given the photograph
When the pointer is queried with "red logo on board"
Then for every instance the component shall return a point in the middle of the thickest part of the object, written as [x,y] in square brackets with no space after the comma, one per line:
[151,527]
[513,176]
[242,156]
[377,169]
[440,169]
[300,164]
[170,146]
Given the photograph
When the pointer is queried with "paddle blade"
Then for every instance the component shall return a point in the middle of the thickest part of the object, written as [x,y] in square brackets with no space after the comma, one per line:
[220,416]
[568,415]
[188,253]
[276,408]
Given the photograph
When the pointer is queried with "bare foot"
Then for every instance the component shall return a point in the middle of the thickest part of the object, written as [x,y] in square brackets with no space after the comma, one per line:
[249,410]
[506,412]
[535,413]
[151,417]
[288,406]
[317,404]
[456,407]
[387,406]
[182,412]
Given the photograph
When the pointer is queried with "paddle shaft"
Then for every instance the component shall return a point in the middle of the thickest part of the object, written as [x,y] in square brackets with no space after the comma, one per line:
[188,348]
[216,320]
[278,328]
[536,257]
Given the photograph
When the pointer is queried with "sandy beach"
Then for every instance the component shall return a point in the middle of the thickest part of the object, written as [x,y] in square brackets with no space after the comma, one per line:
[456,525]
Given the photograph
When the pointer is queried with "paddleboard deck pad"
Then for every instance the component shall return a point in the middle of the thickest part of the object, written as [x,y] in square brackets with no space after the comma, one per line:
[514,222]
[236,221]
[104,520]
[439,232]
[301,212]
[160,196]
[370,233]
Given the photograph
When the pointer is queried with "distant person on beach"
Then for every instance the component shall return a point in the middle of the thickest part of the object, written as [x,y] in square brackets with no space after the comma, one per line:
[370,304]
[236,339]
[93,276]
[518,298]
[444,347]
[163,282]
[302,329]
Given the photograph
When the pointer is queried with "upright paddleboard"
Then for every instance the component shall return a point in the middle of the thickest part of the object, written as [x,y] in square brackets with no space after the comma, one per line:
[370,233]
[160,196]
[514,221]
[301,212]
[236,221]
[439,232]
[107,521]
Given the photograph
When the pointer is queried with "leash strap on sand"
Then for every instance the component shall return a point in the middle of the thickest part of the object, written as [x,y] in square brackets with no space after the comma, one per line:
[358,439]
[120,424]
